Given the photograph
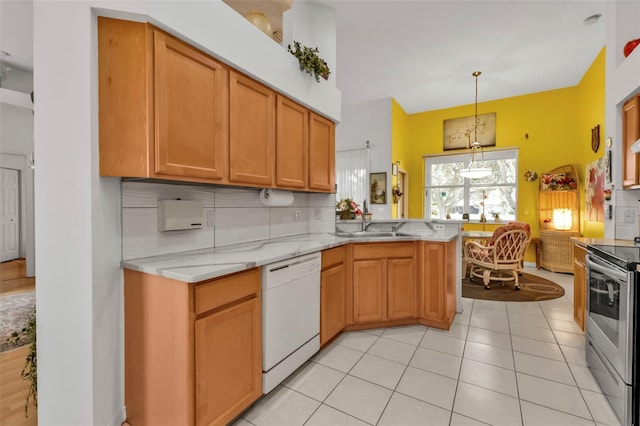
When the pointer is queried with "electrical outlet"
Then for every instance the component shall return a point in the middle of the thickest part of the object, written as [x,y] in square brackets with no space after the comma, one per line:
[317,214]
[209,219]
[438,227]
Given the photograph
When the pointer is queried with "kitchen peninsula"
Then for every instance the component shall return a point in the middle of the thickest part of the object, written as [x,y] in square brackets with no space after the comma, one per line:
[181,308]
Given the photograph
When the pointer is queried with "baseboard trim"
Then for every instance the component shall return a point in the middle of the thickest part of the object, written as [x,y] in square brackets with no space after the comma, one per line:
[119,417]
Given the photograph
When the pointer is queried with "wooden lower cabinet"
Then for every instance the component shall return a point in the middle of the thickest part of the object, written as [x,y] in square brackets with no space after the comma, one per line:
[193,352]
[384,284]
[579,285]
[438,283]
[332,293]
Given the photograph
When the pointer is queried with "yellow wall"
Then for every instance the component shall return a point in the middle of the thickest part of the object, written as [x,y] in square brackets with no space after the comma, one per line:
[551,129]
[400,146]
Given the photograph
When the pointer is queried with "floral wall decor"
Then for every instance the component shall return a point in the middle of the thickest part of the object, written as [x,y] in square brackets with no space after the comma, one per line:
[594,190]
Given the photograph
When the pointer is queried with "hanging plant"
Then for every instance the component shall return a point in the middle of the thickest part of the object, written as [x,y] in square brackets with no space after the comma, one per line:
[310,61]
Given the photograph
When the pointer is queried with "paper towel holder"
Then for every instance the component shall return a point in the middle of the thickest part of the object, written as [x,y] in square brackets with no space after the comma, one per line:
[275,197]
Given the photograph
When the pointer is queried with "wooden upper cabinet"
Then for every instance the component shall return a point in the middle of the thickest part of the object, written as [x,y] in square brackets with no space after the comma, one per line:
[190,110]
[162,106]
[292,144]
[322,153]
[630,134]
[252,131]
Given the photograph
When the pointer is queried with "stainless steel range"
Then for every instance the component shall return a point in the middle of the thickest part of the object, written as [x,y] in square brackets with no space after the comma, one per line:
[612,326]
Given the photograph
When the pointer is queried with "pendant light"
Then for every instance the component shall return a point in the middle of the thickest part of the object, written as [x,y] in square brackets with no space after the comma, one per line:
[473,171]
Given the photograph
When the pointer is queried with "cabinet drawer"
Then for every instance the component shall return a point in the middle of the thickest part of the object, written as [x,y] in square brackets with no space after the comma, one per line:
[333,256]
[383,250]
[213,294]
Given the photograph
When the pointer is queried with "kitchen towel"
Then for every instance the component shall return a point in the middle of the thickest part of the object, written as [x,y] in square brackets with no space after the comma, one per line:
[275,197]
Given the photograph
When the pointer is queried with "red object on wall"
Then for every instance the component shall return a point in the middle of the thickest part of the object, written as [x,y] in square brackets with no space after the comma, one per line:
[628,48]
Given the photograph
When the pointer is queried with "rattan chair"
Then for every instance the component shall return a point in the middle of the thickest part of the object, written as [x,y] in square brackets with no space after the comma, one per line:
[501,258]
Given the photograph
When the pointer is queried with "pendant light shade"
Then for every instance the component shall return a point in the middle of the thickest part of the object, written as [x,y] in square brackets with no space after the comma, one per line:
[473,170]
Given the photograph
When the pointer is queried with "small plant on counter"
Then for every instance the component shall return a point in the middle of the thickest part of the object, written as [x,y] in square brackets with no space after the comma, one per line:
[30,368]
[310,61]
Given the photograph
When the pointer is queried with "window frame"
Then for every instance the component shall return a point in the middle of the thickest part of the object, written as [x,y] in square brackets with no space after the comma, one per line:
[467,185]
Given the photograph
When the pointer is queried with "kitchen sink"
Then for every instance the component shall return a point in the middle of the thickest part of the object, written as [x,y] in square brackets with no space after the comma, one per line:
[372,234]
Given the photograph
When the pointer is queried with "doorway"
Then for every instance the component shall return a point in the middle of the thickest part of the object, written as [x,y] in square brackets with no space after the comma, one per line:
[403,201]
[9,215]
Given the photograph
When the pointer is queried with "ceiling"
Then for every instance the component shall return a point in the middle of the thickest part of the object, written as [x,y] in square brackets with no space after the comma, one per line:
[422,52]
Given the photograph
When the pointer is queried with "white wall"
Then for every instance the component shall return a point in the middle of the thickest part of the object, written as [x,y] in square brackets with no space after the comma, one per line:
[369,121]
[16,130]
[77,213]
[622,81]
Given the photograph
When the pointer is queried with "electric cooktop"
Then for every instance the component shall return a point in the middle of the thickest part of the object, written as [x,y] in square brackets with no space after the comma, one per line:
[623,256]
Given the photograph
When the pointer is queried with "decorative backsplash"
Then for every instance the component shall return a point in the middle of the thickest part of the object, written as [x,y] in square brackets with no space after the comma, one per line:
[232,215]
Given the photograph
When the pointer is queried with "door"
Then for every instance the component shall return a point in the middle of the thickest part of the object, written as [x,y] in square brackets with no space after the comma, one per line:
[368,291]
[9,216]
[332,302]
[292,144]
[401,288]
[402,205]
[190,111]
[252,128]
[322,154]
[228,359]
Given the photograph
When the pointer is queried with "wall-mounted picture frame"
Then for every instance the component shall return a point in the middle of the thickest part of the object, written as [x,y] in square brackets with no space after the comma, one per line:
[458,133]
[394,169]
[378,188]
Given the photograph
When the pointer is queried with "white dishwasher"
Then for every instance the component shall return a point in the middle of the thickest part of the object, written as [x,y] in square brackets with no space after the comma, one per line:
[290,316]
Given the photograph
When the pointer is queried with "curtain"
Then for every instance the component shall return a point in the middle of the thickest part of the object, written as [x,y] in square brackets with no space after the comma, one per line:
[352,174]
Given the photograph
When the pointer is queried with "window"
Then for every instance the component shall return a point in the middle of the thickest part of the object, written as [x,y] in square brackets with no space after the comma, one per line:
[448,193]
[351,174]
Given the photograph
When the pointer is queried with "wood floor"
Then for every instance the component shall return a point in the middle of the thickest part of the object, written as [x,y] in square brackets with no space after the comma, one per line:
[13,390]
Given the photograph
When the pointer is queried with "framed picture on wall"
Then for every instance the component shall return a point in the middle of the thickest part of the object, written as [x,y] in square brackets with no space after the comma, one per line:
[459,132]
[378,188]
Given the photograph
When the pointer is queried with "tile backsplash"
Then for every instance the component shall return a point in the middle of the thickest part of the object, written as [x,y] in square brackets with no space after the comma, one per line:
[232,215]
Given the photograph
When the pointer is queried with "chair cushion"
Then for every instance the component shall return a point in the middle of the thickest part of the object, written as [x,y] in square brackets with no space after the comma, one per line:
[506,228]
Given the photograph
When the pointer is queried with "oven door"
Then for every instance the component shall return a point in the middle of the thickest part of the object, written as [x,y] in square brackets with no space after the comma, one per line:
[609,319]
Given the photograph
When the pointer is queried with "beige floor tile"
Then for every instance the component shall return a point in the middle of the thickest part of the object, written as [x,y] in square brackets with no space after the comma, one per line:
[314,380]
[326,415]
[576,356]
[486,405]
[537,415]
[557,371]
[570,339]
[460,420]
[488,376]
[282,406]
[554,395]
[360,399]
[358,340]
[442,343]
[378,370]
[456,330]
[536,333]
[493,338]
[437,362]
[489,354]
[584,378]
[393,350]
[428,387]
[407,411]
[537,347]
[411,334]
[338,357]
[600,408]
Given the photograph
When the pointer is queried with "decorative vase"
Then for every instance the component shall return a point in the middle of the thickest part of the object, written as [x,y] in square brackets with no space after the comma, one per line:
[628,48]
[259,20]
[345,215]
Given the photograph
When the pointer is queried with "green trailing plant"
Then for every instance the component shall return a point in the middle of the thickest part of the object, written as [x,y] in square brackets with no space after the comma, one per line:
[310,61]
[30,368]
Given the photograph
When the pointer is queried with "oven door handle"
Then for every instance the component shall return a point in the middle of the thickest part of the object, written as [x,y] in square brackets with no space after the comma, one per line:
[605,267]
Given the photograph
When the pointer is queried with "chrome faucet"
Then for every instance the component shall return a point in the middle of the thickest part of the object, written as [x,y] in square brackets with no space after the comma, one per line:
[365,211]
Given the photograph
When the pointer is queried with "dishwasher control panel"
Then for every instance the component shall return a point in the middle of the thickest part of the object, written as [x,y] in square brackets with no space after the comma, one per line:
[282,272]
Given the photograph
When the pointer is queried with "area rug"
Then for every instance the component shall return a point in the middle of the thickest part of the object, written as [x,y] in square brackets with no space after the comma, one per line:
[532,289]
[14,311]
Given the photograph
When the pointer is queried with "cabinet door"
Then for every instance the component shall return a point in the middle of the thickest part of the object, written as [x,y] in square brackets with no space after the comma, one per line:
[322,156]
[190,111]
[434,282]
[228,362]
[401,288]
[292,143]
[368,291]
[630,133]
[579,286]
[252,131]
[332,302]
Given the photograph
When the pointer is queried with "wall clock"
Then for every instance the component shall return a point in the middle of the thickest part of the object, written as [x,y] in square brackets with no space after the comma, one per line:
[595,138]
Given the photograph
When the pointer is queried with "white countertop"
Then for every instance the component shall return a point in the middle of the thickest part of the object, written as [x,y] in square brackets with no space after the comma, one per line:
[200,265]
